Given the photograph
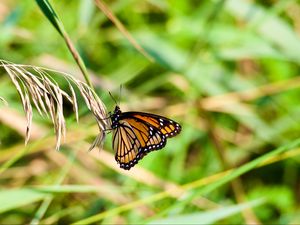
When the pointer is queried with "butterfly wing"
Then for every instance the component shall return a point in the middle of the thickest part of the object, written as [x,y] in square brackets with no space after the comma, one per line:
[169,128]
[133,139]
[137,133]
[126,145]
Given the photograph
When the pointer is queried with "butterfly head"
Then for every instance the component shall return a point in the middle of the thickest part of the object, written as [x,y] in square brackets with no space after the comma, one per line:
[117,110]
[115,117]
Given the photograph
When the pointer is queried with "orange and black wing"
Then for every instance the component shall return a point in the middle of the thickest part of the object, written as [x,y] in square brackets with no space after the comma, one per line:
[133,139]
[169,128]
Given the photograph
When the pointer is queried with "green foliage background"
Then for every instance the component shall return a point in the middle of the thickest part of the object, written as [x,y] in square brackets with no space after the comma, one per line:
[228,71]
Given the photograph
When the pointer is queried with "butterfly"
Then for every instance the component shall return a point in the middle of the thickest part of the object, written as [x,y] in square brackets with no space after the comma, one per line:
[137,133]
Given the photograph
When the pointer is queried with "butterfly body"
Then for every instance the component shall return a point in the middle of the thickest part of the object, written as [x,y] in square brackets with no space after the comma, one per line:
[137,133]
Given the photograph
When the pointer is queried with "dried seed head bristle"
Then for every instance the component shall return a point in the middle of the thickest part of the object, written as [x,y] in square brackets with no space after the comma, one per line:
[35,85]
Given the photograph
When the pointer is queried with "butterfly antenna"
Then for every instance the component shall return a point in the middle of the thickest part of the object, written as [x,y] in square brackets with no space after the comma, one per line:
[113,98]
[120,94]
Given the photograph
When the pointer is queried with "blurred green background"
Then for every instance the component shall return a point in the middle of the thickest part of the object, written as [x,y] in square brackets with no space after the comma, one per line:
[227,71]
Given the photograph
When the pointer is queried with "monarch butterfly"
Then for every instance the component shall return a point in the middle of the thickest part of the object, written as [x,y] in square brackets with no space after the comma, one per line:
[137,133]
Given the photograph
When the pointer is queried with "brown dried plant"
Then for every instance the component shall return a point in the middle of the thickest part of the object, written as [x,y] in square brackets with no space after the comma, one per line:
[36,85]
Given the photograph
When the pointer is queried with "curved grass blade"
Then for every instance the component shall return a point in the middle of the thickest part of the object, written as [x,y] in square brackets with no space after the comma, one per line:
[48,199]
[49,12]
[211,183]
[209,217]
[16,198]
[110,15]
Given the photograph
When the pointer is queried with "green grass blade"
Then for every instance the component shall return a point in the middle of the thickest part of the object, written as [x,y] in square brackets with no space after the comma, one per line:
[210,183]
[47,201]
[209,217]
[51,15]
[49,12]
[12,199]
[66,189]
